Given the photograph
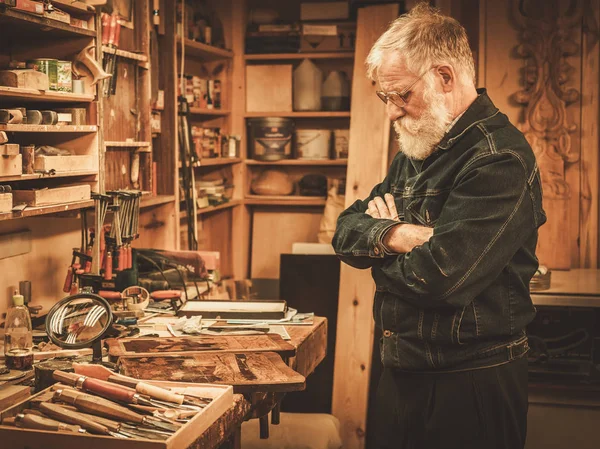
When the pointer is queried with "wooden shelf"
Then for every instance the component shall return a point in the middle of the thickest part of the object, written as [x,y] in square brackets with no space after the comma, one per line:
[125,54]
[291,200]
[47,210]
[207,210]
[20,25]
[209,112]
[203,51]
[284,56]
[49,128]
[147,146]
[301,162]
[35,95]
[150,201]
[312,114]
[45,176]
[217,161]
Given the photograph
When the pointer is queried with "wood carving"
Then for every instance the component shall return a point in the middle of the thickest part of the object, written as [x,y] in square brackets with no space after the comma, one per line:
[546,43]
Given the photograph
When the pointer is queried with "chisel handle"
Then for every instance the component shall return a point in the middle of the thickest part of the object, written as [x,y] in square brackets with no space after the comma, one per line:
[68,280]
[98,406]
[159,393]
[41,423]
[111,425]
[66,378]
[109,391]
[56,411]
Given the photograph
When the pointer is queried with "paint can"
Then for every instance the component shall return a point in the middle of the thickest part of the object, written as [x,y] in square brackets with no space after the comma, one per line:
[270,138]
[47,66]
[64,76]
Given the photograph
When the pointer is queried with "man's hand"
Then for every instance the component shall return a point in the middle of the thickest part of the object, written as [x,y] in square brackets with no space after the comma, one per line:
[404,237]
[378,208]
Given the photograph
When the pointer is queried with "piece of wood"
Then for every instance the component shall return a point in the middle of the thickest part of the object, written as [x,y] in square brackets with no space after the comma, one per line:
[11,166]
[367,165]
[251,310]
[56,195]
[66,164]
[246,372]
[153,347]
[24,79]
[10,394]
[590,185]
[9,149]
[269,88]
[6,202]
[28,153]
[311,345]
[186,437]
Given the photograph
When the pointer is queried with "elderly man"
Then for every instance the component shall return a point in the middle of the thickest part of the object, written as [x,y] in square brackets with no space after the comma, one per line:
[450,236]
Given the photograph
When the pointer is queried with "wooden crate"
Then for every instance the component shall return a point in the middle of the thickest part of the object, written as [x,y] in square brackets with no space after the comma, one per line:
[66,163]
[5,202]
[38,439]
[269,88]
[11,165]
[57,195]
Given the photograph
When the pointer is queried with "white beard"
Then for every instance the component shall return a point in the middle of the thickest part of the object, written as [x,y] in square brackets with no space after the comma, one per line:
[419,137]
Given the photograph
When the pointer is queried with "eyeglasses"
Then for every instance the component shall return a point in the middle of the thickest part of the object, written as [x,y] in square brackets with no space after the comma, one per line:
[400,99]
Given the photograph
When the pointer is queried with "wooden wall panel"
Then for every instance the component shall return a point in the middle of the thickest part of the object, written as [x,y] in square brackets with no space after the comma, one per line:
[367,165]
[274,232]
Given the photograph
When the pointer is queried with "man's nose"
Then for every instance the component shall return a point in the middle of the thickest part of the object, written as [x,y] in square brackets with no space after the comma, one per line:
[394,112]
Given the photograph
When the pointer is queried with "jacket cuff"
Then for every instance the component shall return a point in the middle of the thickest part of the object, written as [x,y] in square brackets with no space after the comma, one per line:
[377,249]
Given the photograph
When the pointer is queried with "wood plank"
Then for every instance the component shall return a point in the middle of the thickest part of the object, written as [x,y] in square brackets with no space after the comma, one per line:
[297,114]
[367,165]
[269,88]
[11,394]
[35,95]
[307,162]
[49,128]
[66,164]
[46,197]
[291,56]
[15,244]
[246,372]
[157,347]
[590,185]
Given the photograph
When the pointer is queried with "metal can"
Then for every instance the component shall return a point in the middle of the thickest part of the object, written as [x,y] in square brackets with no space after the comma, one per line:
[64,76]
[47,66]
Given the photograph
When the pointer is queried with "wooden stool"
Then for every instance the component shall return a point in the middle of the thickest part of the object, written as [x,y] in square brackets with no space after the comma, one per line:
[295,431]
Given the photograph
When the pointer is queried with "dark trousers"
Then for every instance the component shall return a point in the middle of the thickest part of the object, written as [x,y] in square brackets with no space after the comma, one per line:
[477,409]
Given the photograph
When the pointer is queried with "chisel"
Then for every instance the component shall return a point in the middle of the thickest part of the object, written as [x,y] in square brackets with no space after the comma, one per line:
[103,407]
[56,411]
[31,421]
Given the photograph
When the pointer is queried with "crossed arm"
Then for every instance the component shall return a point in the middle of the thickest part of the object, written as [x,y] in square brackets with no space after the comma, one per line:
[403,237]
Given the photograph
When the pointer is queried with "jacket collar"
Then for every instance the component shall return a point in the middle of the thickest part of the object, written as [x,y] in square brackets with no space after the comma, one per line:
[481,109]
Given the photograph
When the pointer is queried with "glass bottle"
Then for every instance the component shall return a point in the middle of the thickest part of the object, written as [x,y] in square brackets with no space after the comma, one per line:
[18,341]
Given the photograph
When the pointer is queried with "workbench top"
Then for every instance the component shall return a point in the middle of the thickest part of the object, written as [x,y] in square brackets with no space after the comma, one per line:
[578,287]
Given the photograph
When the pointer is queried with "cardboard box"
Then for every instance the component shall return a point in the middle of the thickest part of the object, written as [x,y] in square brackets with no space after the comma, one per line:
[269,88]
[56,195]
[328,37]
[324,11]
[58,15]
[30,6]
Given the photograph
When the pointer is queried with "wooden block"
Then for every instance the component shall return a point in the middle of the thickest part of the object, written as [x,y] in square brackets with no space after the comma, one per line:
[78,115]
[3,137]
[5,202]
[269,88]
[65,163]
[11,394]
[52,196]
[24,79]
[11,165]
[9,149]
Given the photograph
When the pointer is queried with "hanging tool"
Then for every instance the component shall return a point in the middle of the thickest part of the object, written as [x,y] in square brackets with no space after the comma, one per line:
[187,170]
[103,407]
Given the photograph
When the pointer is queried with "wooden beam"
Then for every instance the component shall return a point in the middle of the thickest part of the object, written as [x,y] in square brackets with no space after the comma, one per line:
[367,165]
[590,74]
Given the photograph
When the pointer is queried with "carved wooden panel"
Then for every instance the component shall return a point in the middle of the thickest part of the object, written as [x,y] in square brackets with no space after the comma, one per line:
[547,43]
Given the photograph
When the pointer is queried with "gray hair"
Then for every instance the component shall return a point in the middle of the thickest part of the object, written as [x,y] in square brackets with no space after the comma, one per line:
[425,38]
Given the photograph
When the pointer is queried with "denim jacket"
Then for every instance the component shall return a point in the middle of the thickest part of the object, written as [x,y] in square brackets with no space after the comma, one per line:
[460,300]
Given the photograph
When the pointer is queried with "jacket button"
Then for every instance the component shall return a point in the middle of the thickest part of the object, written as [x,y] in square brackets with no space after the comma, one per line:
[387,333]
[376,251]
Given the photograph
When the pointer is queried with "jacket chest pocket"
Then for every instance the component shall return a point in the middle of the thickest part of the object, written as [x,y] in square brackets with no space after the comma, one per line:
[400,202]
[426,209]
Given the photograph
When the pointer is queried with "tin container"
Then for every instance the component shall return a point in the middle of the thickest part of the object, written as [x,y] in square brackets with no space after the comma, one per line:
[313,143]
[47,66]
[64,76]
[270,138]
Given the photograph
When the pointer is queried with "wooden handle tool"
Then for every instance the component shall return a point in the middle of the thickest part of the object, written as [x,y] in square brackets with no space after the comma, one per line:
[56,411]
[159,393]
[111,425]
[41,423]
[98,406]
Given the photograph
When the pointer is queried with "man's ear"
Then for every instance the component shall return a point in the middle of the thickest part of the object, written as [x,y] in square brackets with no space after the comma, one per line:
[447,76]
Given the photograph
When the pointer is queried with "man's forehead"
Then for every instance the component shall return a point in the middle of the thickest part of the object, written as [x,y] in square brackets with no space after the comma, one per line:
[393,71]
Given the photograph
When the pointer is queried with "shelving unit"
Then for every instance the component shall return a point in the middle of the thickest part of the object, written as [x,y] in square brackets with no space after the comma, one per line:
[210,209]
[209,112]
[60,41]
[296,114]
[292,56]
[301,162]
[290,200]
[204,52]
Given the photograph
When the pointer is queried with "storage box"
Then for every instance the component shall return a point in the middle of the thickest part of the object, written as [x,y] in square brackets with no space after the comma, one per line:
[58,15]
[222,400]
[269,88]
[30,6]
[11,165]
[65,164]
[328,37]
[5,202]
[57,195]
[324,11]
